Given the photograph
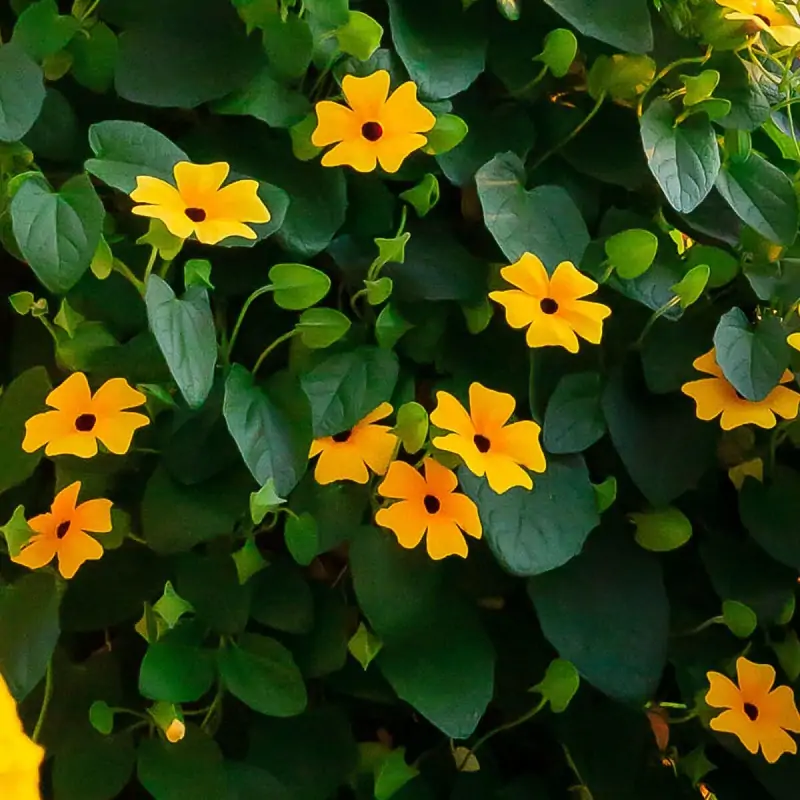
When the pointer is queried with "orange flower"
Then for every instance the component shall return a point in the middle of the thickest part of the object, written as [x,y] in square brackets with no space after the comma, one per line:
[715,396]
[483,439]
[757,714]
[429,505]
[376,127]
[552,307]
[80,419]
[198,205]
[62,533]
[20,758]
[346,456]
[765,16]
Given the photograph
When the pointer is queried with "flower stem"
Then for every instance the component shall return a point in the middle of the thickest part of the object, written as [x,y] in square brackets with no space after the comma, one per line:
[125,271]
[247,303]
[269,348]
[48,696]
[151,262]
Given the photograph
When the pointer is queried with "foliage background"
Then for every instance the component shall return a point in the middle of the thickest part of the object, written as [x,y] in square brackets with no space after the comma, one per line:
[553,163]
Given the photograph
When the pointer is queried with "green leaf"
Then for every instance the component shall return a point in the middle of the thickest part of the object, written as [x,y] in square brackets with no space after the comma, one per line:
[390,327]
[93,767]
[185,332]
[379,291]
[699,87]
[57,232]
[271,446]
[740,620]
[691,286]
[560,49]
[722,265]
[684,159]
[544,221]
[22,92]
[574,421]
[424,196]
[41,31]
[202,48]
[302,538]
[29,630]
[102,261]
[752,358]
[662,530]
[124,150]
[264,500]
[607,612]
[288,43]
[605,493]
[302,147]
[534,531]
[94,57]
[788,652]
[167,245]
[346,387]
[20,400]
[101,717]
[442,46]
[282,599]
[175,672]
[197,272]
[248,560]
[412,426]
[321,327]
[448,132]
[329,13]
[171,607]
[192,767]
[262,674]
[762,196]
[622,23]
[559,685]
[393,775]
[16,531]
[631,252]
[360,36]
[392,251]
[297,286]
[364,645]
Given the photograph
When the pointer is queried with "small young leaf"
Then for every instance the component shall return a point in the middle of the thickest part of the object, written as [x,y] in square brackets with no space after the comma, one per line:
[321,327]
[631,252]
[300,134]
[424,196]
[692,285]
[390,327]
[197,272]
[392,251]
[361,36]
[560,683]
[699,87]
[249,561]
[560,49]
[266,499]
[393,774]
[297,286]
[171,606]
[302,538]
[364,645]
[605,493]
[412,426]
[101,717]
[740,619]
[16,531]
[448,132]
[22,302]
[379,291]
[167,244]
[662,530]
[102,261]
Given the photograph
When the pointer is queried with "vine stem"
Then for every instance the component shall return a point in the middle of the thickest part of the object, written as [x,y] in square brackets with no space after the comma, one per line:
[245,308]
[151,262]
[664,72]
[126,272]
[48,696]
[269,348]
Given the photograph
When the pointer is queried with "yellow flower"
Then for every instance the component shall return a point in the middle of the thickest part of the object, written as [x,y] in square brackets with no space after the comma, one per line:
[793,340]
[62,533]
[715,396]
[551,306]
[19,756]
[346,456]
[757,714]
[765,16]
[429,505]
[374,128]
[483,439]
[81,419]
[198,205]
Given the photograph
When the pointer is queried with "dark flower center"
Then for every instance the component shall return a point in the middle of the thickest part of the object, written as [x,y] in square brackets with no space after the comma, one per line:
[764,19]
[432,504]
[548,305]
[195,214]
[372,131]
[482,443]
[85,422]
[751,711]
[61,530]
[341,437]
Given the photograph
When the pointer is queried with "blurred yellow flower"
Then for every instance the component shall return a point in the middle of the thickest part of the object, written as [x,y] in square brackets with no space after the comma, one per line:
[757,714]
[80,419]
[375,128]
[20,758]
[551,307]
[62,533]
[715,396]
[482,437]
[765,16]
[345,456]
[200,205]
[429,505]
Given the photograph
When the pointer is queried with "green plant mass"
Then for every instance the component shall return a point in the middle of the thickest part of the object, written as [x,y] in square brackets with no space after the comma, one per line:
[399,399]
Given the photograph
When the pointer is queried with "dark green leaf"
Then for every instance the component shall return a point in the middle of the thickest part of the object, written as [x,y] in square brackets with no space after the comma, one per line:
[607,612]
[57,232]
[544,221]
[21,92]
[94,56]
[321,327]
[533,531]
[574,419]
[184,330]
[262,674]
[282,599]
[41,31]
[288,43]
[175,672]
[622,23]
[94,767]
[302,538]
[662,530]
[684,159]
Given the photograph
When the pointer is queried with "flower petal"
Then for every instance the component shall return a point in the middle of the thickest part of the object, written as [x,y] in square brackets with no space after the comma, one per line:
[786,36]
[568,284]
[155,192]
[94,516]
[44,523]
[176,221]
[737,723]
[406,519]
[783,401]
[775,742]
[213,231]
[549,330]
[708,363]
[43,428]
[366,96]
[392,151]
[359,154]
[503,474]
[381,412]
[780,709]
[440,480]
[116,395]
[585,318]
[403,113]
[73,395]
[463,511]
[76,548]
[376,446]
[520,307]
[450,415]
[474,460]
[745,413]
[66,500]
[116,431]
[38,553]
[239,201]
[445,539]
[402,482]
[335,123]
[341,462]
[711,395]
[198,183]
[528,274]
[490,410]
[82,445]
[723,692]
[755,680]
[520,441]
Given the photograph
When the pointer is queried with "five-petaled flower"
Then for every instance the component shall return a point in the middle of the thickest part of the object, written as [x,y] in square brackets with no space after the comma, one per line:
[20,758]
[80,419]
[487,444]
[198,205]
[715,396]
[376,127]
[63,532]
[756,713]
[429,505]
[764,15]
[345,456]
[552,307]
